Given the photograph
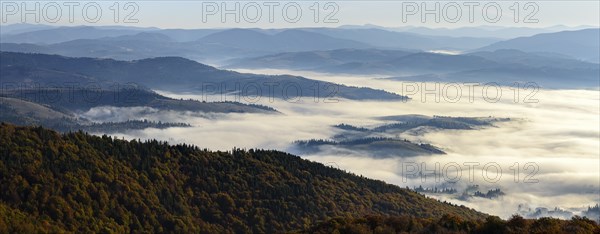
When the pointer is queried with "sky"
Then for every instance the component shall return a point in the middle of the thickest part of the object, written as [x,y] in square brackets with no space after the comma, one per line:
[306,13]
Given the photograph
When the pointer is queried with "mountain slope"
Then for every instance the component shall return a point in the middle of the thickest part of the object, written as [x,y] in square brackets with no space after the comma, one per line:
[581,44]
[179,74]
[84,183]
[25,112]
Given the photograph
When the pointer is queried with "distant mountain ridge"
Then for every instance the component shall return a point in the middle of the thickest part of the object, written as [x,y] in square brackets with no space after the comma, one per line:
[216,45]
[580,44]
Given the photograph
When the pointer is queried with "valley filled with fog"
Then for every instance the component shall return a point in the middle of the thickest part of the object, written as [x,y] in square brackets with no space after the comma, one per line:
[551,137]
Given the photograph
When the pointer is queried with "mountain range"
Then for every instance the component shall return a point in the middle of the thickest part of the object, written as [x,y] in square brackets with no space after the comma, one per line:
[217,45]
[504,66]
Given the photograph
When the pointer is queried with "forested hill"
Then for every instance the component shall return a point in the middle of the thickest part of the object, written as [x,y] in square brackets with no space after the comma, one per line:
[82,183]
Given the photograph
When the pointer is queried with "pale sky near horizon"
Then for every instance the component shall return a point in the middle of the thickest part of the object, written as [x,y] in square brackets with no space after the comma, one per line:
[209,14]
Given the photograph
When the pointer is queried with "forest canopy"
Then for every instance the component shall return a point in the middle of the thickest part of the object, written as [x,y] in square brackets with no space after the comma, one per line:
[83,183]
